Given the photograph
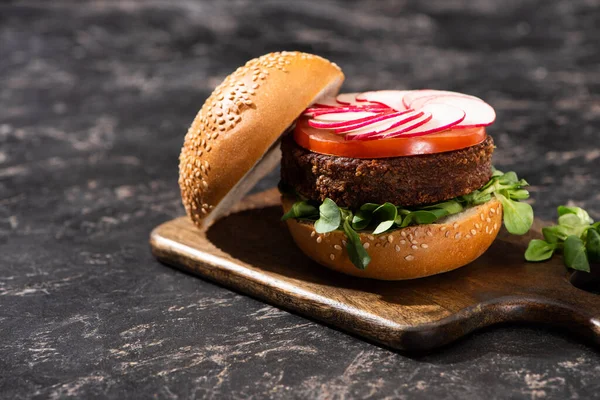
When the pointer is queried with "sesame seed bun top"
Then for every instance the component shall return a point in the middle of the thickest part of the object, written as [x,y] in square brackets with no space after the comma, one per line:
[232,142]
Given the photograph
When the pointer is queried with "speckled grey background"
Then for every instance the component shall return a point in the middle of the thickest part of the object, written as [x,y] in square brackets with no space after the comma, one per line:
[95,98]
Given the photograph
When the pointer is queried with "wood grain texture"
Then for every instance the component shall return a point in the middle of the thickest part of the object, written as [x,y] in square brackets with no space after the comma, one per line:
[252,252]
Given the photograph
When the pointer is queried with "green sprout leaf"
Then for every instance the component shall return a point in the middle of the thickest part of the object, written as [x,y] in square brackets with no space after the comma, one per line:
[579,212]
[419,217]
[329,217]
[539,250]
[363,216]
[572,224]
[518,217]
[301,210]
[555,233]
[593,245]
[575,255]
[356,252]
[386,215]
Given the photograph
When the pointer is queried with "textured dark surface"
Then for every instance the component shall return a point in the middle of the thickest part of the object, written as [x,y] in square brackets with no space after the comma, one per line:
[94,102]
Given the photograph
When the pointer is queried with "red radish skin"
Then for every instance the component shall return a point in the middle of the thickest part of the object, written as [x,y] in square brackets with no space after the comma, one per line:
[444,117]
[410,125]
[383,114]
[313,112]
[344,116]
[384,126]
[345,124]
[371,121]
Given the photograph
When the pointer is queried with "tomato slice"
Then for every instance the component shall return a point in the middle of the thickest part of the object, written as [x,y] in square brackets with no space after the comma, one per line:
[324,141]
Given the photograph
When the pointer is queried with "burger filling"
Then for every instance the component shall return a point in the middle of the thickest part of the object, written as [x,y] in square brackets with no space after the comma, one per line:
[380,195]
[378,161]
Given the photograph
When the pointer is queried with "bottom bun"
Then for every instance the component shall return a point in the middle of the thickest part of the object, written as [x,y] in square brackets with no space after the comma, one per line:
[407,253]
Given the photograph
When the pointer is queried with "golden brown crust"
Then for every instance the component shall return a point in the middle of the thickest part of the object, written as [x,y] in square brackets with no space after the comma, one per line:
[408,253]
[242,118]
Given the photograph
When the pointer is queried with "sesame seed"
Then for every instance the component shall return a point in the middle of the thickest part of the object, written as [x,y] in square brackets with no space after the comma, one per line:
[319,239]
[455,225]
[337,247]
[482,216]
[467,236]
[447,234]
[397,248]
[487,229]
[429,233]
[344,242]
[208,148]
[219,113]
[377,244]
[410,237]
[205,184]
[492,211]
[403,234]
[473,232]
[414,242]
[403,242]
[495,226]
[390,238]
[457,236]
[498,209]
[424,246]
[477,226]
[488,220]
[371,237]
[313,233]
[366,245]
[414,247]
[409,257]
[443,228]
[332,257]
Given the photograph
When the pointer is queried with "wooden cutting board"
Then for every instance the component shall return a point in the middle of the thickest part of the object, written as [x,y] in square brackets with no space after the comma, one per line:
[252,252]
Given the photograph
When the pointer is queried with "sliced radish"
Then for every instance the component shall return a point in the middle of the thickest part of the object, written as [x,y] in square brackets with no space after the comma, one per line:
[383,126]
[346,98]
[372,121]
[409,125]
[326,102]
[478,112]
[344,116]
[416,94]
[313,112]
[390,98]
[445,116]
[344,124]
[349,99]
